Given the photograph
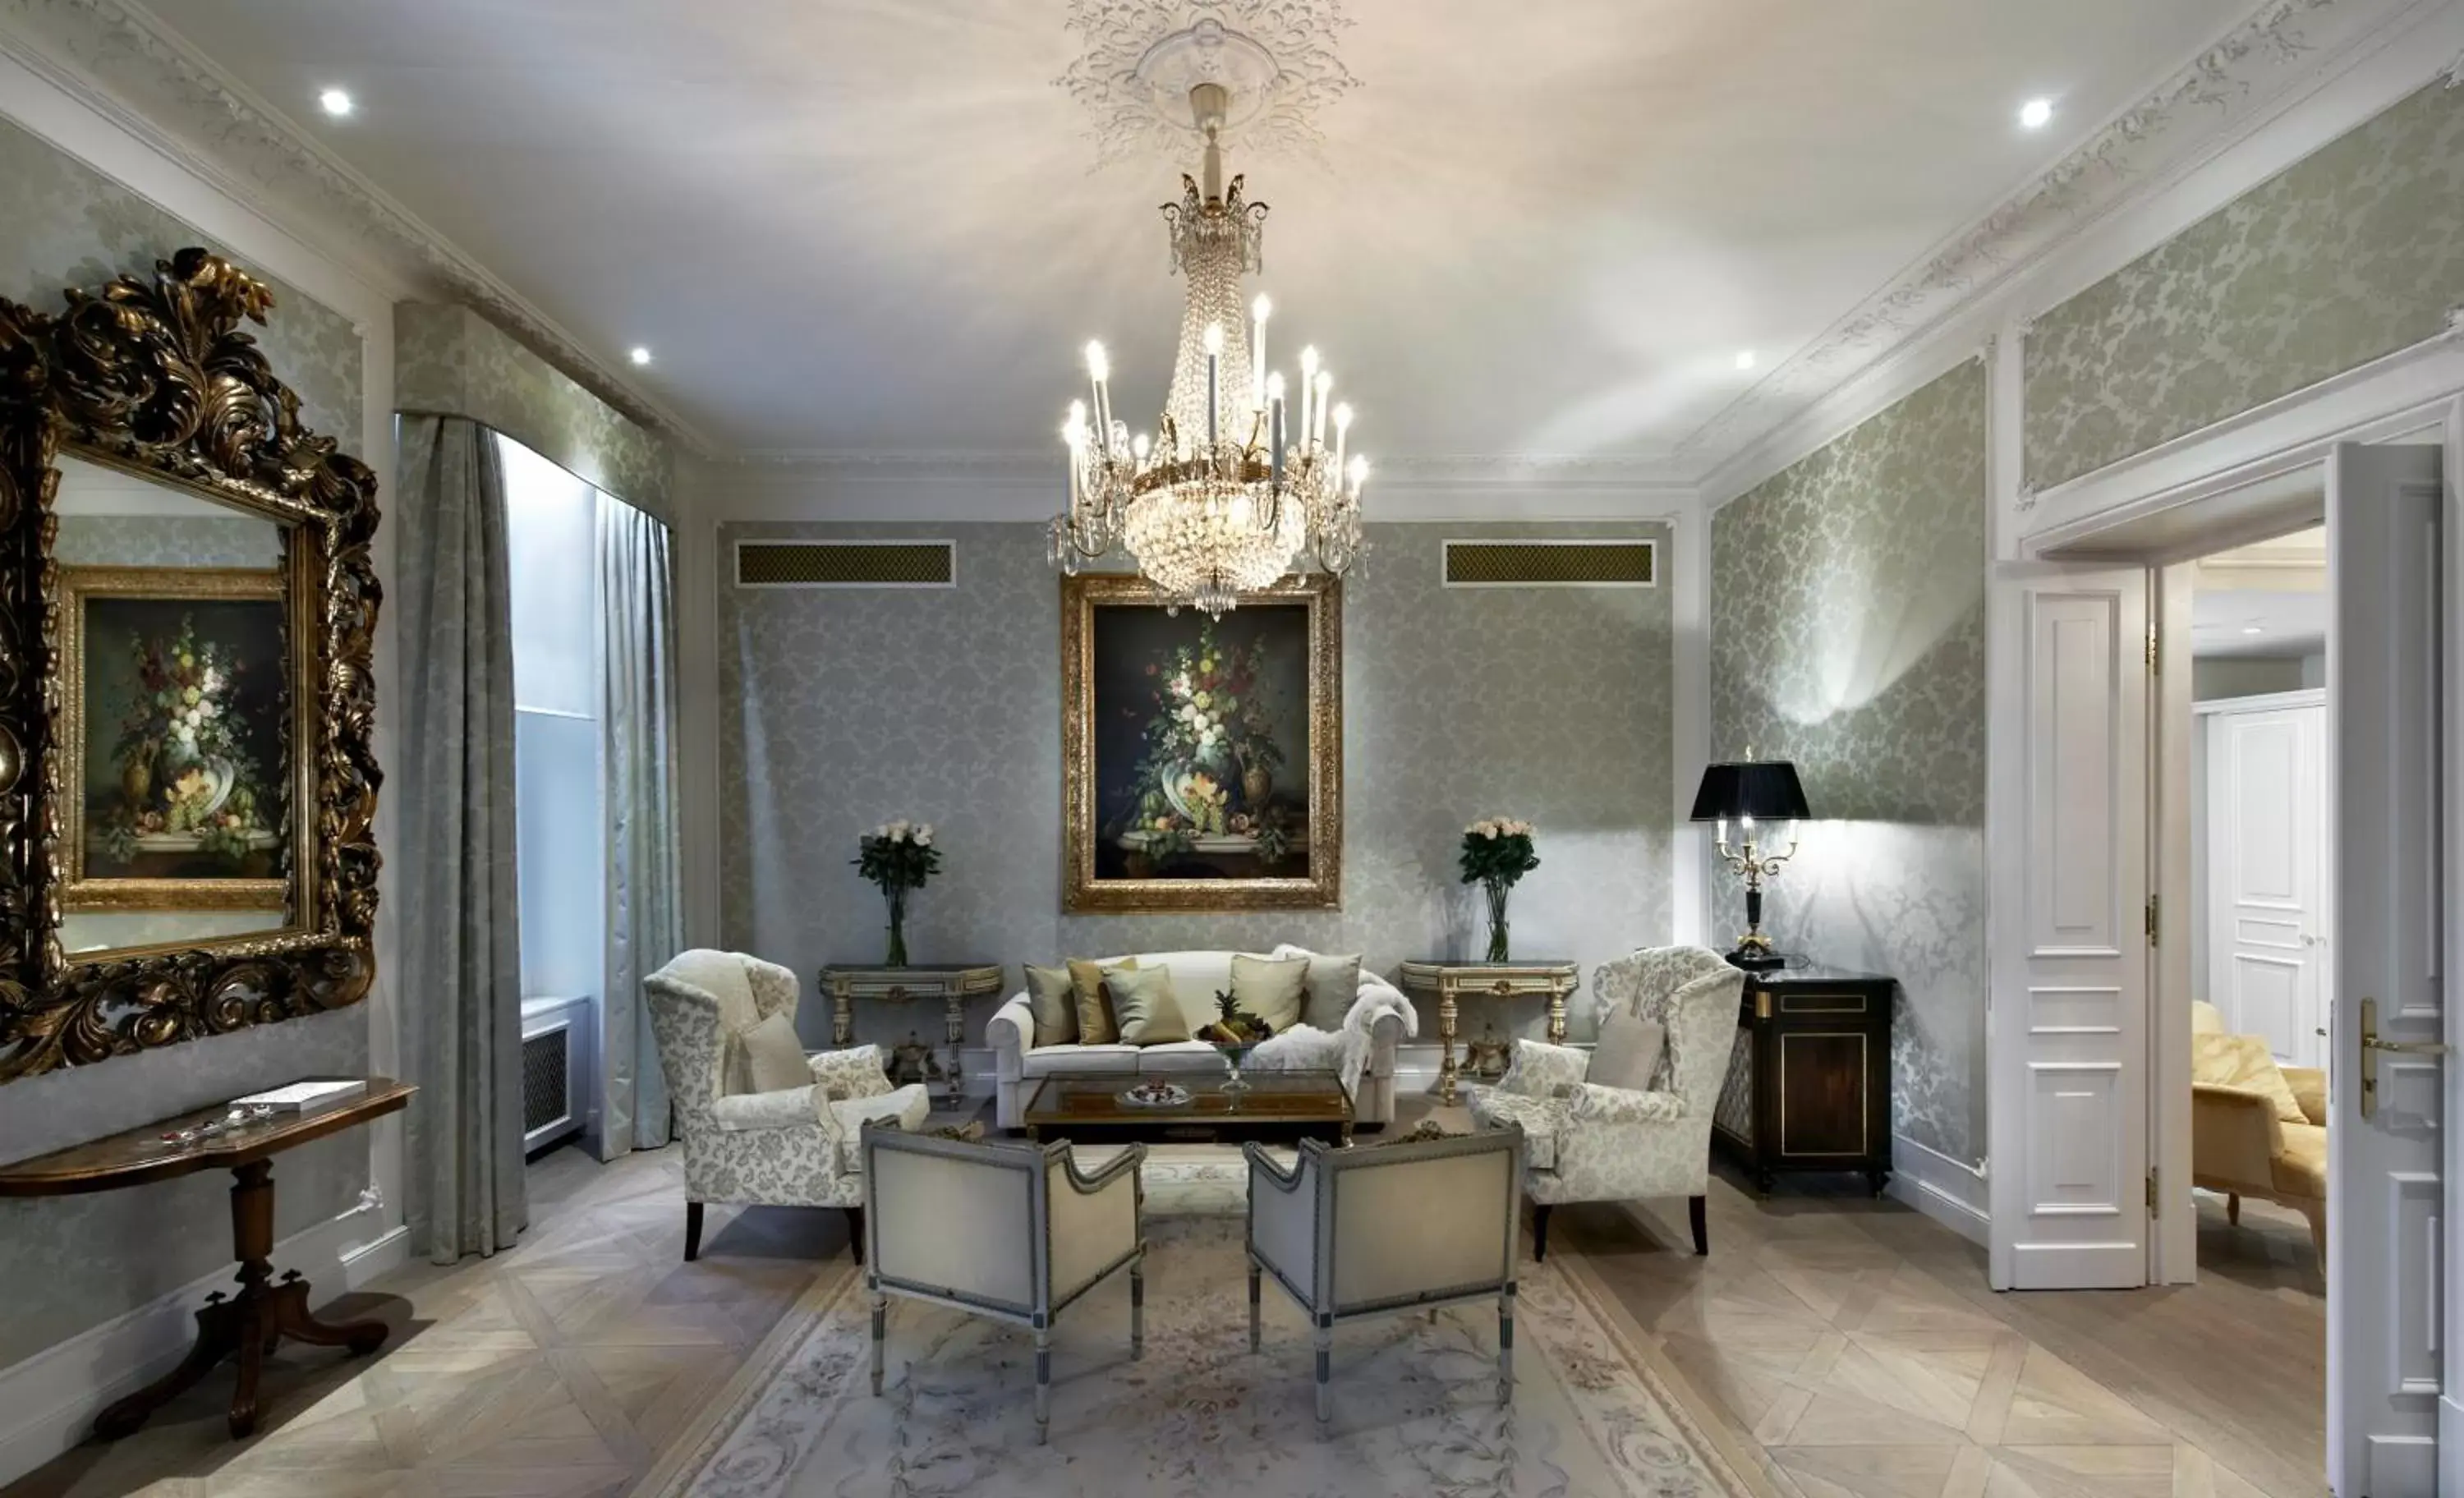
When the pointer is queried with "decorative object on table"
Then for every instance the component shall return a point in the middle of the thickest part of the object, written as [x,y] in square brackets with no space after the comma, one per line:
[910,1060]
[1275,1106]
[256,1320]
[1238,487]
[1496,854]
[305,1097]
[1486,1057]
[1384,1261]
[178,707]
[1449,983]
[1591,1140]
[1756,793]
[896,857]
[153,378]
[1095,1231]
[1354,1024]
[1808,1083]
[1201,760]
[792,1147]
[1155,1092]
[953,983]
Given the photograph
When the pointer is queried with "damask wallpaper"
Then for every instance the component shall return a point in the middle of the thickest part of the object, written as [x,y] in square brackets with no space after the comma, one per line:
[96,1257]
[1848,635]
[451,360]
[845,709]
[2356,252]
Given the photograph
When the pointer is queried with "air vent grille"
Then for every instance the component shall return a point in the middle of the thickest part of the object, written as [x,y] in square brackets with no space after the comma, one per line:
[1552,564]
[900,564]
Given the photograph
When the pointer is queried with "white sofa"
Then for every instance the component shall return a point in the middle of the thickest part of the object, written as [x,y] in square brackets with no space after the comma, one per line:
[1019,1064]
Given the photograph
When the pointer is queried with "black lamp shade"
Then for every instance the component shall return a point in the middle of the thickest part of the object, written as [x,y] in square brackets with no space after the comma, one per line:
[1764,789]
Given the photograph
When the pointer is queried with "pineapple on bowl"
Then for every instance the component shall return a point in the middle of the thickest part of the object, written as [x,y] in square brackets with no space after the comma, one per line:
[1236,1034]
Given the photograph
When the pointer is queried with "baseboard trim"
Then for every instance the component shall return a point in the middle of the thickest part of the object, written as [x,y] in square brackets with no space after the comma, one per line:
[1951,1192]
[48,1400]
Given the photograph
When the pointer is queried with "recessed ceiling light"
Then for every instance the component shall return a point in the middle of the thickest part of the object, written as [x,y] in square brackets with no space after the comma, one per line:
[2035,114]
[334,102]
[2251,630]
[640,355]
[1744,359]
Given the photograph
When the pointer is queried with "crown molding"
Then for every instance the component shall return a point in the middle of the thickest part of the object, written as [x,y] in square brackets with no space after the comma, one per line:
[2205,102]
[125,62]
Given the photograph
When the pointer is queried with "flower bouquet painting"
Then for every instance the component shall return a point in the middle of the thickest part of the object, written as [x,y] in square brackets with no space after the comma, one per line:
[178,695]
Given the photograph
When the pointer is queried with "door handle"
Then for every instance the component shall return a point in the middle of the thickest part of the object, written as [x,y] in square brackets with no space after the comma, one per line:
[2372,1045]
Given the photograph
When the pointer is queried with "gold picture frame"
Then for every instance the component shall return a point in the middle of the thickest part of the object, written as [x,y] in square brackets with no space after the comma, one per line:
[1251,820]
[86,889]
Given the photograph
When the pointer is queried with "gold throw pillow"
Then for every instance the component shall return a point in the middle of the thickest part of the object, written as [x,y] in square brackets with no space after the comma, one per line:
[2245,1062]
[1271,989]
[1147,1008]
[1052,995]
[1095,1023]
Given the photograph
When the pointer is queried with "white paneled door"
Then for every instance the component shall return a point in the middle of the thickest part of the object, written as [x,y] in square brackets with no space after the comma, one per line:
[2069,671]
[2387,1089]
[2267,872]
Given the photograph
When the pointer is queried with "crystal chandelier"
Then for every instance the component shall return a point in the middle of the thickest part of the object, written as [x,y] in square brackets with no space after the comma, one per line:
[1236,487]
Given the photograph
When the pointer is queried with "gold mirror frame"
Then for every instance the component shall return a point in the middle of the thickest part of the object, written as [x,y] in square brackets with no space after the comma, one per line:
[153,375]
[1082,891]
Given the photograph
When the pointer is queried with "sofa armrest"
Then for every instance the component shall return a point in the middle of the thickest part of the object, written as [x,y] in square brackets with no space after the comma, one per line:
[1095,1219]
[2309,1086]
[2234,1136]
[788,1108]
[1592,1102]
[1282,1217]
[1010,1032]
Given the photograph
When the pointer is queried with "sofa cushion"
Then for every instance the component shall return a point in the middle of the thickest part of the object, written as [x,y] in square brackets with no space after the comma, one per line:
[1271,989]
[1187,1055]
[1627,1053]
[767,1057]
[2302,1170]
[1145,1007]
[2245,1062]
[1332,987]
[1053,1000]
[1060,1060]
[1096,1026]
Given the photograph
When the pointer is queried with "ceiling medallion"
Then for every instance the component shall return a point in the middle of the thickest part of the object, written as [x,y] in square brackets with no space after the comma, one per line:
[1236,487]
[1143,56]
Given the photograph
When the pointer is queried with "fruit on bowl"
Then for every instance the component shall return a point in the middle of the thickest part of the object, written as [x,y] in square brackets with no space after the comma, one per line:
[1237,1028]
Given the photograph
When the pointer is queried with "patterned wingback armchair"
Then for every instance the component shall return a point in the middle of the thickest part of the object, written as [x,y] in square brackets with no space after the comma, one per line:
[1595,1143]
[796,1146]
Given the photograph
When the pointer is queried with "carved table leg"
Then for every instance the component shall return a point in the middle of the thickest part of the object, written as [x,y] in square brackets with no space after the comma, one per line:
[841,1019]
[1446,1048]
[954,1012]
[1557,1018]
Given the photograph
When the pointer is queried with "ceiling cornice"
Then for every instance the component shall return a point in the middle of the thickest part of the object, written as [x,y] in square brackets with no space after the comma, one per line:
[121,59]
[2198,107]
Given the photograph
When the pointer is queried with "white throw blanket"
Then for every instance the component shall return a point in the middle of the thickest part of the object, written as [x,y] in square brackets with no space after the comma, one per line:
[1305,1047]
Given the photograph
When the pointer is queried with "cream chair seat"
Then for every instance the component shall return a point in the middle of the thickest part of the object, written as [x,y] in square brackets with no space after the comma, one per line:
[1410,1225]
[792,1147]
[1595,1143]
[2239,1147]
[1010,1232]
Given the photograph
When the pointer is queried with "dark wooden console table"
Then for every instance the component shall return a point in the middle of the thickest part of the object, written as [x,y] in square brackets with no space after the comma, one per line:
[248,1324]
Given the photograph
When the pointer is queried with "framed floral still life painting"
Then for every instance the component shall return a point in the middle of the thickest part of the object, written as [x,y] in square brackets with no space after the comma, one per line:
[178,715]
[1202,757]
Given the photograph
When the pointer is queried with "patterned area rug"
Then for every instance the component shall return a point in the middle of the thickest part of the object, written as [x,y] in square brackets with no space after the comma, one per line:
[1414,1400]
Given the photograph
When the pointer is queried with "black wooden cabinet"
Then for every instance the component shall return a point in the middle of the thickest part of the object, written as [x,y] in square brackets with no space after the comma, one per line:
[1808,1085]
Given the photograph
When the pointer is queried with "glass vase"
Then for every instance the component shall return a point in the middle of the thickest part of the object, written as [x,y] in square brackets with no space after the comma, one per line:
[898,956]
[1497,893]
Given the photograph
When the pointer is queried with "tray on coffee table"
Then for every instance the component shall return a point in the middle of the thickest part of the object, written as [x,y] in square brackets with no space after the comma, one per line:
[1275,1106]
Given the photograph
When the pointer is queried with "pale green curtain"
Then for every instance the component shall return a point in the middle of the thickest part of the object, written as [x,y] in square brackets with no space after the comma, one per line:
[637,730]
[461,950]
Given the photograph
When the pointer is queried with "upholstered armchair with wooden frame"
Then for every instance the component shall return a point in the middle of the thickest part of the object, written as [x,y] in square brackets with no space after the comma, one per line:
[1015,1232]
[796,1146]
[1590,1142]
[2240,1147]
[1411,1225]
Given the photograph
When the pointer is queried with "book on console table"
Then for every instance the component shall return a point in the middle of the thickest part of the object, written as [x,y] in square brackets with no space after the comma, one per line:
[305,1097]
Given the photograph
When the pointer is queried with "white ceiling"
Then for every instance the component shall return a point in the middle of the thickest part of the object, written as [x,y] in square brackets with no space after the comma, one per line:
[2269,599]
[876,227]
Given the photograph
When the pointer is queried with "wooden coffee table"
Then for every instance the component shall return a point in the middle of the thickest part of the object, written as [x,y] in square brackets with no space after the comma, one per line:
[1276,1106]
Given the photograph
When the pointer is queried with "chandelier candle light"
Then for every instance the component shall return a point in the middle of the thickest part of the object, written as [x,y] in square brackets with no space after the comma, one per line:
[1233,490]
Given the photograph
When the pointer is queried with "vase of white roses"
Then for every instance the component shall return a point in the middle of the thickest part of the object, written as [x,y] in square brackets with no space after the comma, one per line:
[896,857]
[1496,852]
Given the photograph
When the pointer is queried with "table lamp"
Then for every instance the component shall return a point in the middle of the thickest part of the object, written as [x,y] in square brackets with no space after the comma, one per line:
[1756,793]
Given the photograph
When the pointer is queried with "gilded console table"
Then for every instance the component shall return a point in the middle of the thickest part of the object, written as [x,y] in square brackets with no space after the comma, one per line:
[1808,1083]
[953,983]
[1450,982]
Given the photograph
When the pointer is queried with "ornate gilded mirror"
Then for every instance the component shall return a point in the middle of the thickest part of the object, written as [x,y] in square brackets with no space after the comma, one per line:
[188,789]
